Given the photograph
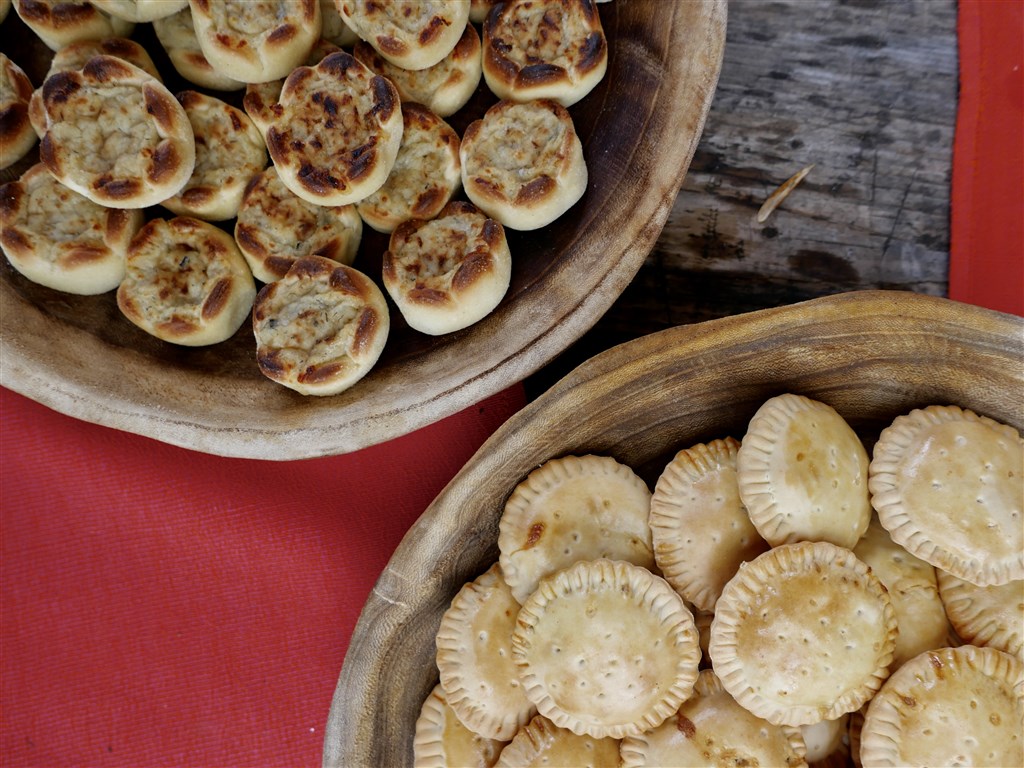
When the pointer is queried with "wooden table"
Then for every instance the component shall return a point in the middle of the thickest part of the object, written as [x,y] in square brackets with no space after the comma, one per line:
[865,90]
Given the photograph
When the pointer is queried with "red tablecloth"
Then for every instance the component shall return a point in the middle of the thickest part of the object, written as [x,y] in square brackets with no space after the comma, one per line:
[162,607]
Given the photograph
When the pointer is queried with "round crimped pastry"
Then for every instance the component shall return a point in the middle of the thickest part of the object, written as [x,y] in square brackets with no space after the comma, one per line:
[177,35]
[441,740]
[541,742]
[336,132]
[261,99]
[606,648]
[57,238]
[544,49]
[75,56]
[948,485]
[710,728]
[913,590]
[803,633]
[16,134]
[256,41]
[443,88]
[802,473]
[447,273]
[320,328]
[700,528]
[62,22]
[523,163]
[116,135]
[474,658]
[573,508]
[951,706]
[988,616]
[425,176]
[140,11]
[412,34]
[186,282]
[229,153]
[275,227]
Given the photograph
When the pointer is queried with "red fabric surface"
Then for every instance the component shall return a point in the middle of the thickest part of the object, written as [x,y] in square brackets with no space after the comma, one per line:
[163,607]
[987,238]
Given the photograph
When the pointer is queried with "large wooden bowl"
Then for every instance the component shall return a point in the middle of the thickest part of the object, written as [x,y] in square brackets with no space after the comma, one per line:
[639,128]
[871,355]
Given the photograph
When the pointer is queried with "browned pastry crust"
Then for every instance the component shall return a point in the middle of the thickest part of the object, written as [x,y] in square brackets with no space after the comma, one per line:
[16,134]
[412,34]
[62,22]
[544,49]
[116,135]
[336,131]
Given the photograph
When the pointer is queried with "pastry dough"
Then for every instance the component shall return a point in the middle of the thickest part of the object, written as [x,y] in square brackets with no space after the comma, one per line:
[541,742]
[140,11]
[229,153]
[441,740]
[989,616]
[425,176]
[261,99]
[177,35]
[447,273]
[320,328]
[544,49]
[412,34]
[256,40]
[523,163]
[275,227]
[186,282]
[57,238]
[336,134]
[62,22]
[116,135]
[16,134]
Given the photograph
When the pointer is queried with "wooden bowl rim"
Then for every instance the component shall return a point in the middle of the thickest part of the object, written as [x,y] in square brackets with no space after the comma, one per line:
[352,723]
[130,392]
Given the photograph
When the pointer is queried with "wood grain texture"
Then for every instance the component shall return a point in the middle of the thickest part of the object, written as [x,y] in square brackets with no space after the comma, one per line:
[639,129]
[866,90]
[871,355]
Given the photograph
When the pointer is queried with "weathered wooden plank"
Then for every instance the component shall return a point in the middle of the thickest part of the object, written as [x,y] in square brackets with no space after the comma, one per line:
[865,90]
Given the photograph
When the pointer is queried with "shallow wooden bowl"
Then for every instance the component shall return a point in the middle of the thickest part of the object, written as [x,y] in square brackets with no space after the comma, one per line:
[639,128]
[871,355]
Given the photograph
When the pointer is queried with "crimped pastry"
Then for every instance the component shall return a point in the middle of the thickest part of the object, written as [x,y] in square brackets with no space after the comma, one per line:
[62,22]
[447,273]
[425,176]
[544,49]
[523,163]
[177,35]
[336,134]
[711,728]
[699,526]
[947,485]
[261,99]
[445,87]
[229,153]
[474,658]
[57,238]
[333,28]
[320,328]
[541,742]
[441,740]
[606,648]
[140,11]
[988,616]
[186,282]
[412,34]
[16,134]
[573,508]
[803,633]
[256,41]
[802,473]
[276,227]
[116,135]
[75,56]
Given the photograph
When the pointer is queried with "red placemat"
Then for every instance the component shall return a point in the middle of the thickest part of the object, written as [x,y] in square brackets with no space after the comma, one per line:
[163,607]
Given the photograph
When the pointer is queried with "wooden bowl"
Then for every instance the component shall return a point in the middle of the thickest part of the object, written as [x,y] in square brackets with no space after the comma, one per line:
[639,129]
[871,355]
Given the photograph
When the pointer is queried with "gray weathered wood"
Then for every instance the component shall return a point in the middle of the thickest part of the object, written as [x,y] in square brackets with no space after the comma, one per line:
[865,90]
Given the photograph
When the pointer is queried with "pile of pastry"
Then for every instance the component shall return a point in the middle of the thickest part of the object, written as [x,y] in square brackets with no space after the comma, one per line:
[341,125]
[783,599]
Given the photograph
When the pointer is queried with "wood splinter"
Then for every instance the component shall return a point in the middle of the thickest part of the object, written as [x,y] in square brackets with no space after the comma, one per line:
[780,194]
